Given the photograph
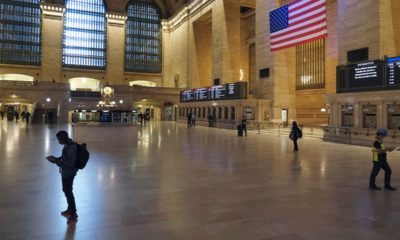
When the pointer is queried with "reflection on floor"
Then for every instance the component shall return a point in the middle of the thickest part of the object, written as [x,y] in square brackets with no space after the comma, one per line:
[178,183]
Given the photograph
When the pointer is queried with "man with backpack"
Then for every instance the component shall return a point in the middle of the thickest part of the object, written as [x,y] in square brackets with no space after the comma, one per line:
[68,171]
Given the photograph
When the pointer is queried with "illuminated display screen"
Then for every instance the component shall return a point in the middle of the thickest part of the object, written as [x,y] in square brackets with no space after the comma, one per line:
[219,92]
[369,76]
[366,75]
[393,73]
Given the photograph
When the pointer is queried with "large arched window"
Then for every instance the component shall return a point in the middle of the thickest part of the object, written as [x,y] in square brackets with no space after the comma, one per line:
[143,37]
[20,32]
[84,43]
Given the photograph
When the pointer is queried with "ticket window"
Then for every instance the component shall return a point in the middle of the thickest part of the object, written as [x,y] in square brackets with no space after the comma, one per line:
[394,116]
[226,113]
[249,113]
[369,116]
[348,116]
[85,116]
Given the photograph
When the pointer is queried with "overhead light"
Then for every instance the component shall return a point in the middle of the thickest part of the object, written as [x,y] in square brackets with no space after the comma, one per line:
[48,99]
[121,101]
[323,109]
[14,96]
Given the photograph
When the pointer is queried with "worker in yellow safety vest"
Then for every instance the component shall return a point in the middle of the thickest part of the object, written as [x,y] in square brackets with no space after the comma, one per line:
[379,151]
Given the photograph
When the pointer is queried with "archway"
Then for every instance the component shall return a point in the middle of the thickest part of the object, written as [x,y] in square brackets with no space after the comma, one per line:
[84,84]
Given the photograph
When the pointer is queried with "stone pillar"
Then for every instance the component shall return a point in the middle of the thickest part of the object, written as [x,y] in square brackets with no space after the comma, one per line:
[357,115]
[354,33]
[280,85]
[385,114]
[226,40]
[52,37]
[115,47]
[379,115]
[389,30]
[335,114]
[167,78]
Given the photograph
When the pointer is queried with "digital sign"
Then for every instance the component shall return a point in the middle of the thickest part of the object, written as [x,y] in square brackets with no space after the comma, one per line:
[366,76]
[219,92]
[393,73]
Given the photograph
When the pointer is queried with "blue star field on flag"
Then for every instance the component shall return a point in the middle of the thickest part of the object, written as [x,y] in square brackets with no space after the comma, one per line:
[279,19]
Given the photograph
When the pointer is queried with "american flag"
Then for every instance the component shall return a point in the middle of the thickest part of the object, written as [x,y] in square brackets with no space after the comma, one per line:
[296,23]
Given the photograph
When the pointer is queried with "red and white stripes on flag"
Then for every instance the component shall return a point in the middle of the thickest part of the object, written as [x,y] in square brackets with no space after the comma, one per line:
[297,23]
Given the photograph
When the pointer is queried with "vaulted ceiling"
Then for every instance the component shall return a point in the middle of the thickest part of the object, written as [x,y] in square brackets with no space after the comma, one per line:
[167,7]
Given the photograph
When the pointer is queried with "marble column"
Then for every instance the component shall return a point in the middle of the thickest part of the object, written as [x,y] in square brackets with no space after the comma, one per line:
[226,40]
[115,47]
[52,37]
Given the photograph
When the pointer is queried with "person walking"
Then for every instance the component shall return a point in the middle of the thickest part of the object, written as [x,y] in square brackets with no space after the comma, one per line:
[193,119]
[16,114]
[244,125]
[379,161]
[23,115]
[189,120]
[27,117]
[2,115]
[295,134]
[68,172]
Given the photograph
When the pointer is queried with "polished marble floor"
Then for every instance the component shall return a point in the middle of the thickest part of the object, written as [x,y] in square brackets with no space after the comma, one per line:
[174,183]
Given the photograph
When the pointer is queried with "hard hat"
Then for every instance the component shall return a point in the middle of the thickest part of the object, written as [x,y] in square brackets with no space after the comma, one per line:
[382,132]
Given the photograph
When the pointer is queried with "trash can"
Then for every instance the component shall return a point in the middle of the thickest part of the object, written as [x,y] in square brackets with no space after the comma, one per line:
[240,130]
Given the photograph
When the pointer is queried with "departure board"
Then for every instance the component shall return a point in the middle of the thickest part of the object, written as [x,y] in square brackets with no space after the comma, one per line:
[217,92]
[366,76]
[363,76]
[187,96]
[214,93]
[393,73]
[201,94]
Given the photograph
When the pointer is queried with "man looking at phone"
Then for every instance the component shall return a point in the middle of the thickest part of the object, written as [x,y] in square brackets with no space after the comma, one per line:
[68,172]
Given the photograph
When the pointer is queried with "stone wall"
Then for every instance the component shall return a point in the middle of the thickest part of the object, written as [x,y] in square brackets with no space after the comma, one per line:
[51,67]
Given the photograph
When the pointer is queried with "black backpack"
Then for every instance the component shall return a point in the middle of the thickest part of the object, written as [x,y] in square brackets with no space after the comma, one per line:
[82,156]
[299,133]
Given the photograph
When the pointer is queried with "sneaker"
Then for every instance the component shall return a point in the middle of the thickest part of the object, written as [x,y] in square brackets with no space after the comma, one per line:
[66,213]
[390,188]
[72,219]
[375,188]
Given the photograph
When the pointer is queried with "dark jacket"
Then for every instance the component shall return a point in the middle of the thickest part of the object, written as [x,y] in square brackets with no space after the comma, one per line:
[67,160]
[296,133]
